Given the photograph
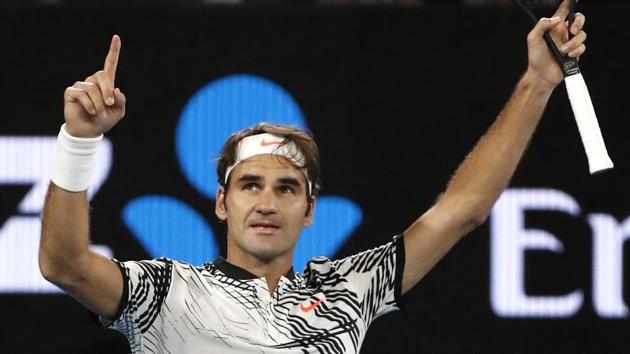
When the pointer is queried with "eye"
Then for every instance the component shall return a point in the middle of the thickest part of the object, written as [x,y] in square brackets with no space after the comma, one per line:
[287,189]
[251,186]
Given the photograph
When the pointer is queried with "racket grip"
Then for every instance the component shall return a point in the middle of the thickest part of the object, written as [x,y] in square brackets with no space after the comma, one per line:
[598,159]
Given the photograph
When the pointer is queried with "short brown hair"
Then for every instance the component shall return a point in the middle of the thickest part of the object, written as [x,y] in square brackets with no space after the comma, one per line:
[302,139]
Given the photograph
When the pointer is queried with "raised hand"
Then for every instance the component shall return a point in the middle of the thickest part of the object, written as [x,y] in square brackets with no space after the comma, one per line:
[92,107]
[541,61]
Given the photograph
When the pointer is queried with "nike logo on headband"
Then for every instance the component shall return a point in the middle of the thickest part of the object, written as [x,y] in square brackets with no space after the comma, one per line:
[264,143]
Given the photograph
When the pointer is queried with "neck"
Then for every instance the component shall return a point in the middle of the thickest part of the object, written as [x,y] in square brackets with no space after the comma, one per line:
[271,270]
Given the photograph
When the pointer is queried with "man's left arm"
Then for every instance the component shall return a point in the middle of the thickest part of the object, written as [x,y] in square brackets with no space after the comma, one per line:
[486,171]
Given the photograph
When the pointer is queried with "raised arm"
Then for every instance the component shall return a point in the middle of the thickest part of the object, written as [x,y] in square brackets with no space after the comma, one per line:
[91,108]
[486,171]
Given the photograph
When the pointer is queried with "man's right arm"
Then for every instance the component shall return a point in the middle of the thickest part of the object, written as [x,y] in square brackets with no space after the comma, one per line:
[91,108]
[65,259]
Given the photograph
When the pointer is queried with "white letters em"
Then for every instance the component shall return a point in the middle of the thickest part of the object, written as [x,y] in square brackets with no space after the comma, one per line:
[510,239]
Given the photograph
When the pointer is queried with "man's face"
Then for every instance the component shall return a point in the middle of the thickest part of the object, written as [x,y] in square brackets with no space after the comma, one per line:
[266,208]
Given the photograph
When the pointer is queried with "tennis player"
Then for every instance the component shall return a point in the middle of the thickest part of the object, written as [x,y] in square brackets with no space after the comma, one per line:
[251,301]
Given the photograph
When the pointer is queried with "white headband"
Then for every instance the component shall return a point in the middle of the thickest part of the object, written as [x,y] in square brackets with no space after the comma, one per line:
[266,143]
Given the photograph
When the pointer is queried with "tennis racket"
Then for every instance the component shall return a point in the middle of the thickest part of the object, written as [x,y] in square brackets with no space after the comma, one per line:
[585,117]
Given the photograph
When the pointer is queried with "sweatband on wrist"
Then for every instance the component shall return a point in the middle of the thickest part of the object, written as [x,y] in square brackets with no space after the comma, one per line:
[74,160]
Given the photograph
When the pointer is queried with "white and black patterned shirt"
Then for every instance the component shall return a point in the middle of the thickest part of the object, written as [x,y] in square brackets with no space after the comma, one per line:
[173,307]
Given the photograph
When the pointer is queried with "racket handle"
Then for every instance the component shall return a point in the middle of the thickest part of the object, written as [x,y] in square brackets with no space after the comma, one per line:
[598,159]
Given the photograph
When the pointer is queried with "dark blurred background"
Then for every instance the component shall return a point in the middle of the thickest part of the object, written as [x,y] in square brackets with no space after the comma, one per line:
[396,93]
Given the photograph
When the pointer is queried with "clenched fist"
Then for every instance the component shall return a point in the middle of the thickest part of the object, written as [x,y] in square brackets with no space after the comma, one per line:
[541,61]
[92,107]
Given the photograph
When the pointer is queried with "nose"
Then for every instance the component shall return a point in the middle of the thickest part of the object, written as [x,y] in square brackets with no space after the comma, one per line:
[266,203]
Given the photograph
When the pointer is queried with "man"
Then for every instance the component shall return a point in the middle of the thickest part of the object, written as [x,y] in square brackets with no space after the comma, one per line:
[252,301]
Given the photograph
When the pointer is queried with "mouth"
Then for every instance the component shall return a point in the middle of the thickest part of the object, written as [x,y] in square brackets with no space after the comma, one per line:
[264,227]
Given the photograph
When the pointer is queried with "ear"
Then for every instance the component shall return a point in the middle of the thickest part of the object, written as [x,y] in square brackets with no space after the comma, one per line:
[308,218]
[219,206]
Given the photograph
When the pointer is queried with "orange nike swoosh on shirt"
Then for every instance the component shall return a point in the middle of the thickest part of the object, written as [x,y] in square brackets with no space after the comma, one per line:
[267,143]
[311,306]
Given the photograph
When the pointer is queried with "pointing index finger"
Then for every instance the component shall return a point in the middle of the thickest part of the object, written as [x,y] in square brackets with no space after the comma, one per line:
[111,61]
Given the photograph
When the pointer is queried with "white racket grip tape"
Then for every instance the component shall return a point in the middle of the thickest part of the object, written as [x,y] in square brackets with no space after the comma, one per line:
[74,161]
[598,159]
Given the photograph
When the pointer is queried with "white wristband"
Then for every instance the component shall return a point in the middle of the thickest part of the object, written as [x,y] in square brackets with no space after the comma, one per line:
[74,159]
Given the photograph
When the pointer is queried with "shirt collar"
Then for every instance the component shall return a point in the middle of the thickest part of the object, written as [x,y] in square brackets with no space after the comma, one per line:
[236,272]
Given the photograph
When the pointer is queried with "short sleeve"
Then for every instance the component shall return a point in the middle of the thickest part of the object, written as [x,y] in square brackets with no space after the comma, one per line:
[146,285]
[373,276]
